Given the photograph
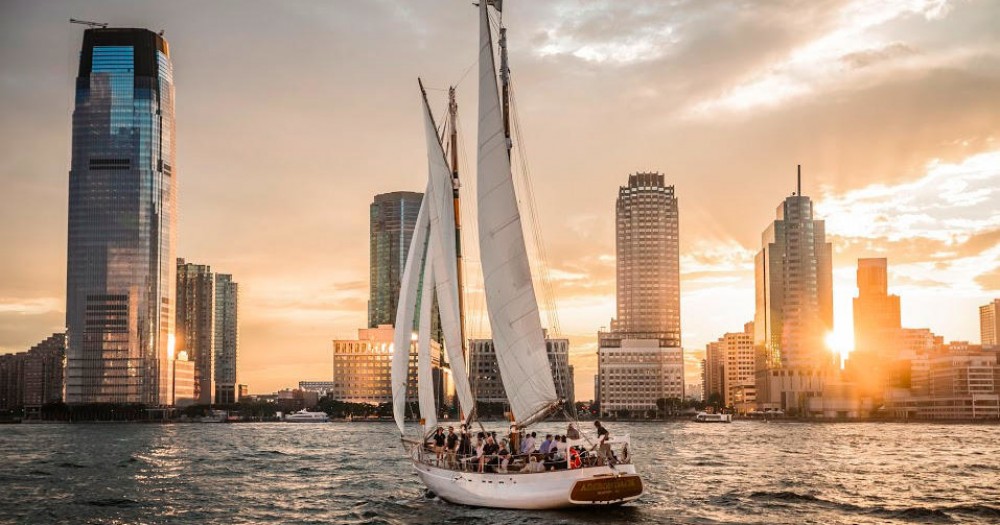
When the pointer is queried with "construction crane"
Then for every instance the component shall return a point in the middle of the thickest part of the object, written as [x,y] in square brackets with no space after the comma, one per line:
[88,23]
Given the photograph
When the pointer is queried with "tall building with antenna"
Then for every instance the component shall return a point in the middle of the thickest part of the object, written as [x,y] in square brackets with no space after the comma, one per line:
[122,221]
[794,304]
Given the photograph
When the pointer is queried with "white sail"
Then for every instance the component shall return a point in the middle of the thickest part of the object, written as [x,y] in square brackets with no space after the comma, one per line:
[510,294]
[403,335]
[441,214]
[425,377]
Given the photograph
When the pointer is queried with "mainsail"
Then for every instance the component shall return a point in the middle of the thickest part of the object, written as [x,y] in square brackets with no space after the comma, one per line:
[510,294]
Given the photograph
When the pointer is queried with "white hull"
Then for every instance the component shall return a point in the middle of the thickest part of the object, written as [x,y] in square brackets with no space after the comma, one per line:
[540,491]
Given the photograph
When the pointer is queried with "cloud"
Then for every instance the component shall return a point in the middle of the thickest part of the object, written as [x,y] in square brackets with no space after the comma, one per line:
[952,203]
[854,40]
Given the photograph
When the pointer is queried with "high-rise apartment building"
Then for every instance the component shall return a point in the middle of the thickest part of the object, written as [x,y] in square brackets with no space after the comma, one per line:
[640,359]
[713,371]
[730,369]
[647,252]
[794,305]
[122,217]
[989,323]
[195,325]
[227,338]
[31,379]
[484,372]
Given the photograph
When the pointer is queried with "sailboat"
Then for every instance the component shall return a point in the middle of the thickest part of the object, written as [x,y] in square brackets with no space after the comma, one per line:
[433,268]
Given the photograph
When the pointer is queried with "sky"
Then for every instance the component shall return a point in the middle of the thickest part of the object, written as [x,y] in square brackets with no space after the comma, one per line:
[292,115]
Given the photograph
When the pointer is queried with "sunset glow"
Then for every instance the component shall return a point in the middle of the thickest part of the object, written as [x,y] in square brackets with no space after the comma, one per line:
[890,107]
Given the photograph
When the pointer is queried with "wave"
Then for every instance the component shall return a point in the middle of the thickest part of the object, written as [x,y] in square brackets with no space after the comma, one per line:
[978,510]
[784,495]
[112,502]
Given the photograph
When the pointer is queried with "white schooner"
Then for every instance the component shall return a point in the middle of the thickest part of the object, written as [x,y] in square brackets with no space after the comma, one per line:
[433,268]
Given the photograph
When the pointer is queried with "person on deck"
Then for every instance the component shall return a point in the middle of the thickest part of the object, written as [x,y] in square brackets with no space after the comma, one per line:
[528,445]
[490,450]
[603,445]
[451,447]
[546,445]
[533,466]
[503,456]
[439,441]
[464,444]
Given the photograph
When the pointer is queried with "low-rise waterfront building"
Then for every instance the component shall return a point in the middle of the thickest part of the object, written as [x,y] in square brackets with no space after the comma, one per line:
[950,384]
[484,372]
[320,387]
[634,373]
[362,369]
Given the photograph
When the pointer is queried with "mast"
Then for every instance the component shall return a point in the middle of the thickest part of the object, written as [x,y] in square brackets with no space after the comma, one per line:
[505,83]
[455,185]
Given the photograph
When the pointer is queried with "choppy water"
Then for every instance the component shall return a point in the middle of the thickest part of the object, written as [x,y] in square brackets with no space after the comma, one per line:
[746,472]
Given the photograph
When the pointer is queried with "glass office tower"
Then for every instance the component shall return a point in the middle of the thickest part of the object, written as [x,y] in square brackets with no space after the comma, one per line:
[122,213]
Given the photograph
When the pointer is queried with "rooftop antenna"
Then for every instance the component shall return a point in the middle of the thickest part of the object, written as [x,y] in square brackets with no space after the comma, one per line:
[88,23]
[799,185]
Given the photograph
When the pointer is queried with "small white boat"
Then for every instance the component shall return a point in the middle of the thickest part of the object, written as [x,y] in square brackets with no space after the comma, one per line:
[305,416]
[705,417]
[215,416]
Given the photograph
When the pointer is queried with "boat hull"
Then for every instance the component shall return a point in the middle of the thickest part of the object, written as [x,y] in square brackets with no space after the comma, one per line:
[593,486]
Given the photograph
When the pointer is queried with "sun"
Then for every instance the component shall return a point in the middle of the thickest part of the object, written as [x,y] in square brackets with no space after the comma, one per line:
[840,342]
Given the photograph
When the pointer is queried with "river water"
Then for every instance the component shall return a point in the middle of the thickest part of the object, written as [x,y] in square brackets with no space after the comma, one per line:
[746,472]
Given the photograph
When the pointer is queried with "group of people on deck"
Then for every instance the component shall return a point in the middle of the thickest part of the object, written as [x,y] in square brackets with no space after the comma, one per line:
[518,451]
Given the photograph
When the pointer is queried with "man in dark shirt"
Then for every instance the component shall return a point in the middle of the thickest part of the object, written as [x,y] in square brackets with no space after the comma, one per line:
[490,450]
[603,447]
[439,440]
[451,446]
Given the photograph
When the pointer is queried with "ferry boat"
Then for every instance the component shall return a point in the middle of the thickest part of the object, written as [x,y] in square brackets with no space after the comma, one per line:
[705,417]
[305,416]
[593,473]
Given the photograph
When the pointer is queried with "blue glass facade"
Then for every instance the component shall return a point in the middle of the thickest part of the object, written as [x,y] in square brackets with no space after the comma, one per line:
[122,215]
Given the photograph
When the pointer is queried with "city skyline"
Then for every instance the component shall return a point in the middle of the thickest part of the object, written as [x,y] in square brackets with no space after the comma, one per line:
[915,186]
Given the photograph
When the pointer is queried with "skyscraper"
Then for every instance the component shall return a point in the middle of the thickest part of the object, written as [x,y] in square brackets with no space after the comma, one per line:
[195,328]
[989,323]
[640,359]
[122,215]
[877,328]
[876,313]
[794,305]
[227,338]
[648,259]
[794,287]
[393,217]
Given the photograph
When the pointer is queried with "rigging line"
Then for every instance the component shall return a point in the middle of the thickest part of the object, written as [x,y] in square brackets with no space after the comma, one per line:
[466,72]
[551,311]
[472,241]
